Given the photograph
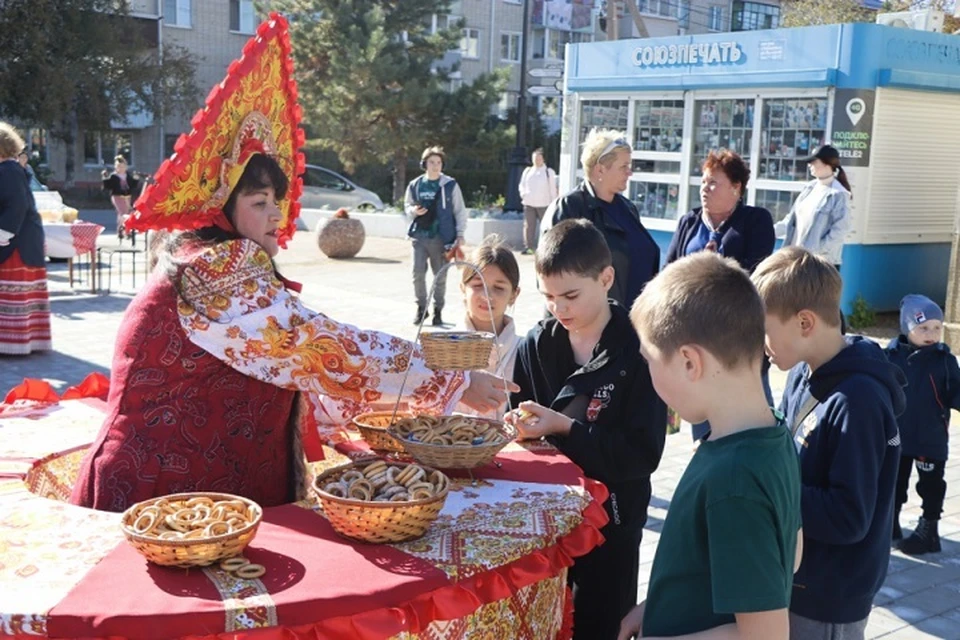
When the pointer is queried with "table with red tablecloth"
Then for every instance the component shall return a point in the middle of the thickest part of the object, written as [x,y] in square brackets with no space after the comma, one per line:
[493,565]
[70,240]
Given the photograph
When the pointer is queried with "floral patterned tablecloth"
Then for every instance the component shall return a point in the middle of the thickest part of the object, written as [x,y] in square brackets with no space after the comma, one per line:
[492,566]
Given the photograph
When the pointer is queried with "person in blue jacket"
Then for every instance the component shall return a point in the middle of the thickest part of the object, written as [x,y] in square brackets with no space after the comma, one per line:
[724,224]
[438,220]
[841,401]
[933,388]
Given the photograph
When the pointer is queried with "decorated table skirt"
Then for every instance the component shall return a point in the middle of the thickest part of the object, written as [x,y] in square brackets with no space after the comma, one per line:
[492,566]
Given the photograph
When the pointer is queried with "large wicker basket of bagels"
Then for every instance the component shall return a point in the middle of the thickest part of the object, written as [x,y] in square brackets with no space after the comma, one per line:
[191,529]
[378,501]
[452,442]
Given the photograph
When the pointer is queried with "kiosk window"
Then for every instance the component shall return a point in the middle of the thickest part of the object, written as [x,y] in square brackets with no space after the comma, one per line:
[791,129]
[776,202]
[603,114]
[656,199]
[658,125]
[722,124]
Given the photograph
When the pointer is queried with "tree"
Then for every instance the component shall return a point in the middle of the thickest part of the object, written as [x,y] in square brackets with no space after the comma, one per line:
[75,65]
[373,86]
[802,13]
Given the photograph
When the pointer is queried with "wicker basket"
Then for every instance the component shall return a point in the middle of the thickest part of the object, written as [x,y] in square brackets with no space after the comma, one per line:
[373,427]
[377,522]
[456,350]
[198,552]
[445,456]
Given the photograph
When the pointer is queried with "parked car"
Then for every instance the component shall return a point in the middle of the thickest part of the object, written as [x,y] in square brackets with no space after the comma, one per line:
[325,189]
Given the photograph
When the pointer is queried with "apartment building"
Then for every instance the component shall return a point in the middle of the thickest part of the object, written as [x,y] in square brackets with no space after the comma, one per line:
[214,31]
[492,34]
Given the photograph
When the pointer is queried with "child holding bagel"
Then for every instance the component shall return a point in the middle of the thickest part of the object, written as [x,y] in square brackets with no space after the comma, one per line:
[486,310]
[585,388]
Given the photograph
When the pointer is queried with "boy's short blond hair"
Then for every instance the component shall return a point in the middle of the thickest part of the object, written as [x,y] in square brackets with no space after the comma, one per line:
[705,300]
[793,279]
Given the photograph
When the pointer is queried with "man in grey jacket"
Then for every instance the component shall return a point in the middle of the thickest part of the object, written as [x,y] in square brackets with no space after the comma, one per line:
[438,220]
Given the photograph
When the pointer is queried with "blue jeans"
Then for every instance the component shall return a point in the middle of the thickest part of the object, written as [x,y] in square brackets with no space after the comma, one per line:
[702,428]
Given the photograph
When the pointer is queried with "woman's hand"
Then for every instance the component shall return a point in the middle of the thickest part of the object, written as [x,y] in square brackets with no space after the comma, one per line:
[420,211]
[534,421]
[487,392]
[632,624]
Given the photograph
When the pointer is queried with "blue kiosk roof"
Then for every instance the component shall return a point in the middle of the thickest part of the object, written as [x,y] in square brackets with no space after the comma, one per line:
[854,56]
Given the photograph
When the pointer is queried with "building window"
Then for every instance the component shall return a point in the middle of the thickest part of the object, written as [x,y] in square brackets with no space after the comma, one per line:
[716,19]
[37,145]
[556,41]
[242,16]
[470,43]
[99,149]
[665,8]
[441,22]
[749,16]
[176,12]
[510,47]
[683,14]
[539,44]
[169,141]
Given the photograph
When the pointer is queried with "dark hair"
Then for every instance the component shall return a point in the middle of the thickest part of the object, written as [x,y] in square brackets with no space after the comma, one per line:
[706,300]
[262,171]
[493,251]
[731,164]
[573,246]
[834,163]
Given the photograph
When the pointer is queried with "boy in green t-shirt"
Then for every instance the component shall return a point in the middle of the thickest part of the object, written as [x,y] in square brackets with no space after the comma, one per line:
[724,565]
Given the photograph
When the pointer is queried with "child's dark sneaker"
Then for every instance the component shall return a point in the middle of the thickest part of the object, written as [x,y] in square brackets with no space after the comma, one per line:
[925,539]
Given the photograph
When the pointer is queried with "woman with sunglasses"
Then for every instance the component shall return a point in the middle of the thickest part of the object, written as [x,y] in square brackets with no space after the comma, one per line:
[607,167]
[723,223]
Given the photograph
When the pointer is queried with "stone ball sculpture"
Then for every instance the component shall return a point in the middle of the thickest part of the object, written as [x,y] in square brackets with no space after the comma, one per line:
[341,236]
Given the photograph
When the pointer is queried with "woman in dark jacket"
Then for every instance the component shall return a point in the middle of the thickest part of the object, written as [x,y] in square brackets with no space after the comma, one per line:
[24,301]
[607,166]
[724,224]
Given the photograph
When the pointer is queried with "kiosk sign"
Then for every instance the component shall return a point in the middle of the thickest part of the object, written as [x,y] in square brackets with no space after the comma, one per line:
[853,126]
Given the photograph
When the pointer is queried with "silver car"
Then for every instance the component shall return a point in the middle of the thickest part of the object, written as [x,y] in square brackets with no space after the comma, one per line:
[324,189]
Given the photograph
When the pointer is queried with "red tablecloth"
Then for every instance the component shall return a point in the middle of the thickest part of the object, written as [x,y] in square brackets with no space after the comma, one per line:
[70,240]
[495,560]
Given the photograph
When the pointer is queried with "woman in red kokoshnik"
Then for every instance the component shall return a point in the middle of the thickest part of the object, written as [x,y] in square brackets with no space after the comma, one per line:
[216,357]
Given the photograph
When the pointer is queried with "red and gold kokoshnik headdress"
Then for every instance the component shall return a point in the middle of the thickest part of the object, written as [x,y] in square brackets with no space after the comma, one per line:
[254,110]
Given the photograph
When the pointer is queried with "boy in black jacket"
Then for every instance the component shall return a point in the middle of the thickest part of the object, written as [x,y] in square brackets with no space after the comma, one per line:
[841,402]
[584,386]
[933,388]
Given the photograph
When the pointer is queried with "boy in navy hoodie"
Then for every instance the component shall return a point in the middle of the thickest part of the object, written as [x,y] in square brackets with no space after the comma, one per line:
[589,392]
[933,388]
[841,402]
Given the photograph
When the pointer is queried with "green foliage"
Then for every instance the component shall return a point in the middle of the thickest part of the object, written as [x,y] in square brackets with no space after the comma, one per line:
[75,65]
[372,84]
[863,315]
[802,13]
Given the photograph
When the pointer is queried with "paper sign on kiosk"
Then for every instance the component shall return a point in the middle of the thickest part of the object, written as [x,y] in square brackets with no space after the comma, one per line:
[855,110]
